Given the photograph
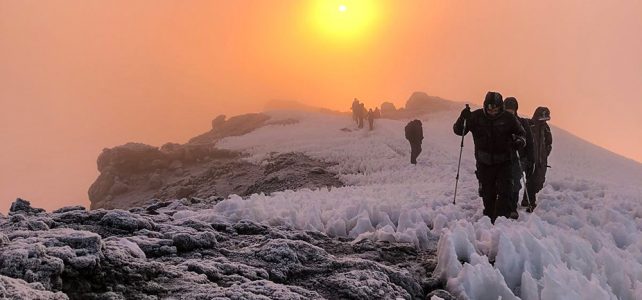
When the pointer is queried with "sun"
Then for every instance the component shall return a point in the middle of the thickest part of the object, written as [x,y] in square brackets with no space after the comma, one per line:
[344,20]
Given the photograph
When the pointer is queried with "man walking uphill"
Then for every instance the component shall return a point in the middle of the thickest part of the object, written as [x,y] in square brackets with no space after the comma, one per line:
[414,135]
[355,109]
[543,144]
[523,163]
[496,134]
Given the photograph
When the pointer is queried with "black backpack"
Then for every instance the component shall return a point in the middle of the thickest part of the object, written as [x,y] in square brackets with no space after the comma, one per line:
[414,130]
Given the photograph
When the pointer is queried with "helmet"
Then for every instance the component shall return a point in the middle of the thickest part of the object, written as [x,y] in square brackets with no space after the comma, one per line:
[511,103]
[493,100]
[542,114]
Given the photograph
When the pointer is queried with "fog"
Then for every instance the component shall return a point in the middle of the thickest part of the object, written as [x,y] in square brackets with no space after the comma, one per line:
[79,76]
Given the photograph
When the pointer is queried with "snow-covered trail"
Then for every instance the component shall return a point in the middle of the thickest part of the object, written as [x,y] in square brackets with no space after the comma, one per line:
[584,240]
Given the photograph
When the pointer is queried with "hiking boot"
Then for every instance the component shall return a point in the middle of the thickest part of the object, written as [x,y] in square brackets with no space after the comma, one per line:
[513,215]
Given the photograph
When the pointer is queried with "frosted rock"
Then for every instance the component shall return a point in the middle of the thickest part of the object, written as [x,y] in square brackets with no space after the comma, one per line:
[188,242]
[366,284]
[69,208]
[124,220]
[219,271]
[11,288]
[154,247]
[31,263]
[249,227]
[440,294]
[23,206]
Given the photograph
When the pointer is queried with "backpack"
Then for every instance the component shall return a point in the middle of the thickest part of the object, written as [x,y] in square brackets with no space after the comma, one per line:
[414,130]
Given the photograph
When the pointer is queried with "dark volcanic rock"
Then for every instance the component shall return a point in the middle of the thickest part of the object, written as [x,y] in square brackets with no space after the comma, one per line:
[69,208]
[136,255]
[124,220]
[133,174]
[235,126]
[21,206]
[418,105]
[421,102]
[211,181]
[11,288]
[387,109]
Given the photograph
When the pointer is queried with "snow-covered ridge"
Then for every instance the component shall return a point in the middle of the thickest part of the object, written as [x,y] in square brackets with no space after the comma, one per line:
[584,234]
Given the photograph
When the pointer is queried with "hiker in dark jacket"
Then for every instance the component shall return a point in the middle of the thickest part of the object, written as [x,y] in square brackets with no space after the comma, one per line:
[361,114]
[542,146]
[414,135]
[496,134]
[526,156]
[371,118]
[355,110]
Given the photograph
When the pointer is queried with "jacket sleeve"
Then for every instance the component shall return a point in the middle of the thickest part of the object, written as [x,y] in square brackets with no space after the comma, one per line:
[458,127]
[548,137]
[519,130]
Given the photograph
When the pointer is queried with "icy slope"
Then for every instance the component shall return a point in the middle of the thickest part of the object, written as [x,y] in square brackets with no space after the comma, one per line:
[584,238]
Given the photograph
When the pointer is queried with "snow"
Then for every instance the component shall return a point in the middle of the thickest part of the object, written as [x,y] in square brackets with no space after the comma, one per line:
[583,241]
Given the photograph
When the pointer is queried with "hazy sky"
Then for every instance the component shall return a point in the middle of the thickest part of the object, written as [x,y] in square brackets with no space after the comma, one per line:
[80,75]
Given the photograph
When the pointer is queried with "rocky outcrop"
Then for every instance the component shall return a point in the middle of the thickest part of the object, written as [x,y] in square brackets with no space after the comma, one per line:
[154,252]
[205,176]
[388,109]
[421,102]
[22,206]
[235,126]
[417,105]
[11,288]
[134,174]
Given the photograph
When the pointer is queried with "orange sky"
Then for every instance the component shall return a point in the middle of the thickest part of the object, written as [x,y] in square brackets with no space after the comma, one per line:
[77,76]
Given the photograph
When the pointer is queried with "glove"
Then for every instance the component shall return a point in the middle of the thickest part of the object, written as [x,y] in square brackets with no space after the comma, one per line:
[465,113]
[519,142]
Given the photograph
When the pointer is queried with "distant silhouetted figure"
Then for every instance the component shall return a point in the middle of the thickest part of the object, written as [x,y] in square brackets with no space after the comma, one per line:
[361,114]
[377,113]
[543,144]
[414,135]
[371,118]
[355,110]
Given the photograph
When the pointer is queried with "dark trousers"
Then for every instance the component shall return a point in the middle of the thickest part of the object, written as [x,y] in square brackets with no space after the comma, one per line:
[371,123]
[496,187]
[516,172]
[360,122]
[415,150]
[535,183]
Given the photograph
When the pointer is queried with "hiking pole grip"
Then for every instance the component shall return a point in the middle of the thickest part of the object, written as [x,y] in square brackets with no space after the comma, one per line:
[462,134]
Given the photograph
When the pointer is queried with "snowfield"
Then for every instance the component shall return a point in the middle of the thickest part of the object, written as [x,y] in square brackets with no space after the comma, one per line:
[583,241]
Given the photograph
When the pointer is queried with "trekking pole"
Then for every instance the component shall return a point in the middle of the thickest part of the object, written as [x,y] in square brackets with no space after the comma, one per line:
[461,148]
[519,161]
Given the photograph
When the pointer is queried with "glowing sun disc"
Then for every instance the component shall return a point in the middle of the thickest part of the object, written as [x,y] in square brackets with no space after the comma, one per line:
[335,21]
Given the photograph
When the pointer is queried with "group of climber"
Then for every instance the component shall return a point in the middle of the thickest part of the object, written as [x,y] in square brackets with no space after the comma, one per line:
[508,148]
[360,113]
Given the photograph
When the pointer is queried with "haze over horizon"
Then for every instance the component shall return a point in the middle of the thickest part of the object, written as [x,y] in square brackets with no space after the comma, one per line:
[78,76]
